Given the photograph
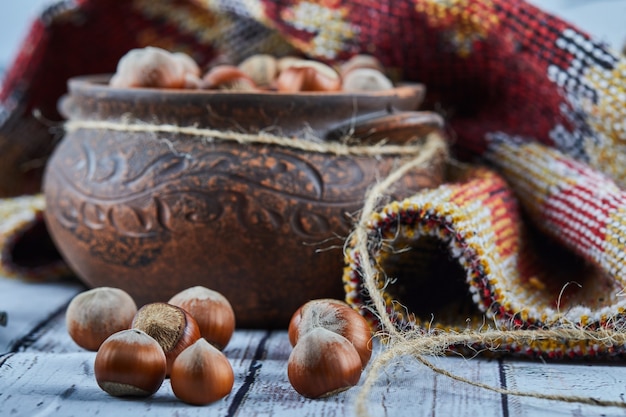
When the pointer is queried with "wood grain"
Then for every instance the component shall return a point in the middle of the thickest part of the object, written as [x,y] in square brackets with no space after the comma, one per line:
[601,381]
[28,304]
[43,372]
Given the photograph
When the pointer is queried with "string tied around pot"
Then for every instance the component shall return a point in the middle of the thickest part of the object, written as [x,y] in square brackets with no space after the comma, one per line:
[307,144]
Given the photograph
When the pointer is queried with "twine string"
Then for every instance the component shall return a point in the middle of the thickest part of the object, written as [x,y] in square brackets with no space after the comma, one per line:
[431,147]
[436,345]
[305,144]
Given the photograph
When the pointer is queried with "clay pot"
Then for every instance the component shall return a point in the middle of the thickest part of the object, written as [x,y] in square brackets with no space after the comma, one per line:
[154,213]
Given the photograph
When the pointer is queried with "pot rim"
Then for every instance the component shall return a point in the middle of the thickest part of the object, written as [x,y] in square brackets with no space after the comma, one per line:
[324,115]
[97,84]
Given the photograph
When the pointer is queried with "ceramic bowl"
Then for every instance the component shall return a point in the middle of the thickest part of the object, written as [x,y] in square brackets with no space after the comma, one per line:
[156,210]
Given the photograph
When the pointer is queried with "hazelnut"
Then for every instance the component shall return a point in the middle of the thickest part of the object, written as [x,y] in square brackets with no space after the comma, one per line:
[261,68]
[360,61]
[192,72]
[171,326]
[130,363]
[227,77]
[96,314]
[336,316]
[365,79]
[323,363]
[287,61]
[211,310]
[149,67]
[188,64]
[308,75]
[201,374]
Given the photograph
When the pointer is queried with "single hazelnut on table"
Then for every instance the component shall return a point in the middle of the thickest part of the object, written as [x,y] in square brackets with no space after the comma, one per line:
[130,363]
[201,374]
[336,316]
[96,314]
[171,326]
[211,310]
[323,363]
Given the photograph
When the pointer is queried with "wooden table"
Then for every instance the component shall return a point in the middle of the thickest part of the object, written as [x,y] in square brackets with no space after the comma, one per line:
[42,372]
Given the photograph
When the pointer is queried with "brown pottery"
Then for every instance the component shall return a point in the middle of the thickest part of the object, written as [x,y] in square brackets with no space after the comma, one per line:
[155,212]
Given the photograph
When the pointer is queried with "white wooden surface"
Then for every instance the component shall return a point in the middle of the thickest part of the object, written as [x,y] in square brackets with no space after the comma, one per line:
[42,373]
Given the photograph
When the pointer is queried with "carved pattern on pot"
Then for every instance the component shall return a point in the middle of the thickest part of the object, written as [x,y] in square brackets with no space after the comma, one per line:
[267,192]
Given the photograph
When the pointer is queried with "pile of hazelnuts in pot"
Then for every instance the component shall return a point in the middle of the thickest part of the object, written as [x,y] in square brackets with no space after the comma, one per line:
[183,339]
[157,68]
